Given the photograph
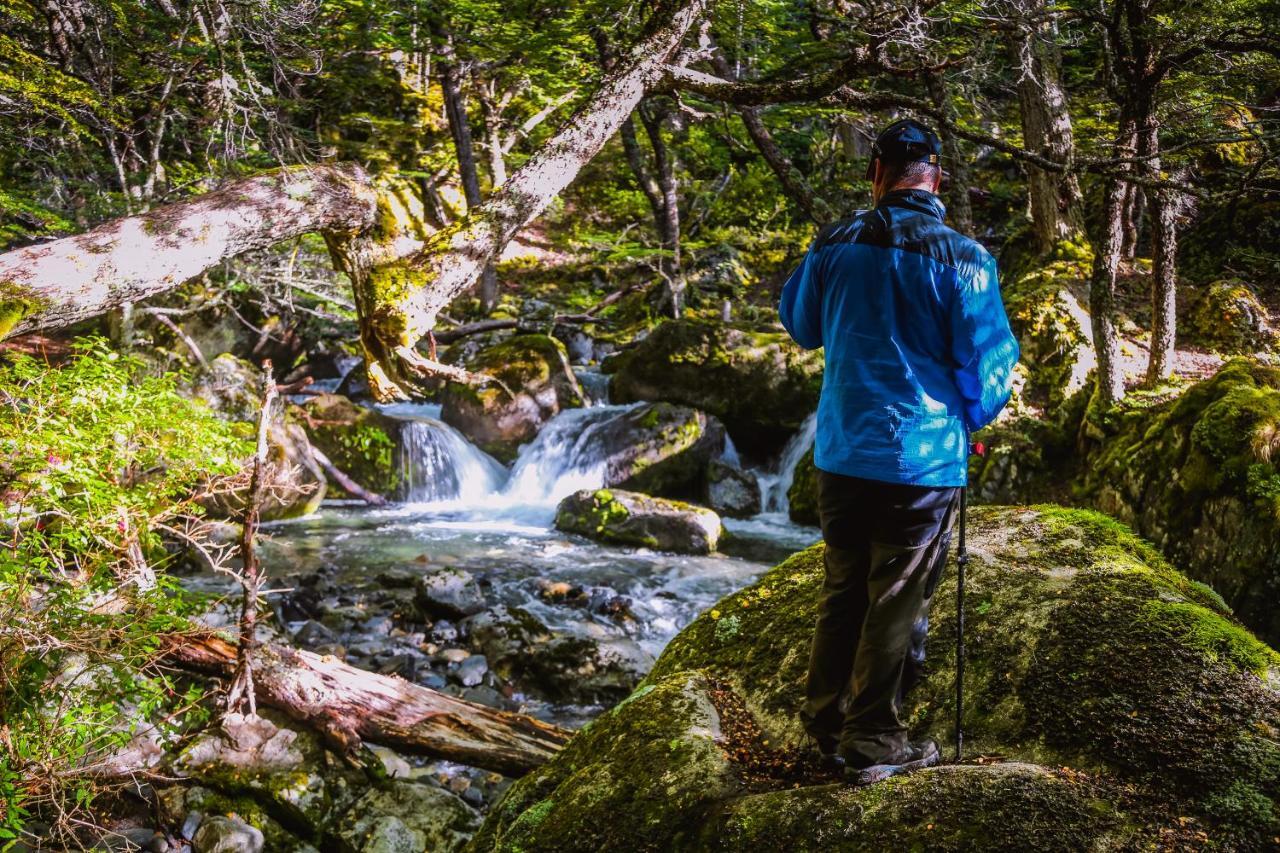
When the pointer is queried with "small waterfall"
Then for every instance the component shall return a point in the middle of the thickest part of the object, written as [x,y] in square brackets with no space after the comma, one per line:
[775,483]
[438,463]
[594,384]
[564,458]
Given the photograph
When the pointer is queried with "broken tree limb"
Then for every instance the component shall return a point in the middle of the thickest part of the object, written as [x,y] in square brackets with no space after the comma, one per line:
[348,485]
[349,706]
[57,283]
[398,303]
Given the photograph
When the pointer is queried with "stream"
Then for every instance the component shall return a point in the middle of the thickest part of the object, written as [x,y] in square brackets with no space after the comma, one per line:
[350,574]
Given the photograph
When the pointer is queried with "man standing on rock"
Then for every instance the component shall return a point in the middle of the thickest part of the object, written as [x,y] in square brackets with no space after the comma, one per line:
[919,355]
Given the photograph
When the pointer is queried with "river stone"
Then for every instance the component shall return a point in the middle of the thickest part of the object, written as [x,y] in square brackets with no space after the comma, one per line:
[630,518]
[1126,708]
[659,449]
[535,368]
[802,495]
[220,834]
[732,491]
[359,441]
[407,816]
[449,593]
[760,384]
[520,649]
[288,768]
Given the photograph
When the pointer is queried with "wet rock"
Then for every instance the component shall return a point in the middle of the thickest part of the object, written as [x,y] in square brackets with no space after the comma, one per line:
[360,442]
[444,632]
[759,384]
[1085,650]
[629,518]
[802,495]
[219,834]
[659,449]
[731,491]
[523,651]
[1229,318]
[449,593]
[313,634]
[409,817]
[472,670]
[536,370]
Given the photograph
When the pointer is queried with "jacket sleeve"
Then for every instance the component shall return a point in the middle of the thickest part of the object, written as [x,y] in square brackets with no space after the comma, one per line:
[983,346]
[801,305]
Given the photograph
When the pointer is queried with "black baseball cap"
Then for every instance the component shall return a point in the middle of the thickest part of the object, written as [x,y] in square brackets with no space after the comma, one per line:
[906,141]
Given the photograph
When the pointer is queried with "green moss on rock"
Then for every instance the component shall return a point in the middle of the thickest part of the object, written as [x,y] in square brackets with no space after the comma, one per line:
[359,441]
[802,495]
[536,370]
[1085,650]
[1198,476]
[760,384]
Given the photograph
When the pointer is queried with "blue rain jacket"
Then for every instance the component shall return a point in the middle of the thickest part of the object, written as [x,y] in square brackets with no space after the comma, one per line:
[918,348]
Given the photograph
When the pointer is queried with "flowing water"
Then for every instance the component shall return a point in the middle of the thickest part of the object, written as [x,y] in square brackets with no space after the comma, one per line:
[465,511]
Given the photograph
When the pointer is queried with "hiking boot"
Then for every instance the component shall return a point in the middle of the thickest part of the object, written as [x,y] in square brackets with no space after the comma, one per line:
[829,757]
[916,757]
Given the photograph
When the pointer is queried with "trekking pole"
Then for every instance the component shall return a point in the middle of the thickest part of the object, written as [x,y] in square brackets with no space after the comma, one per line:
[962,560]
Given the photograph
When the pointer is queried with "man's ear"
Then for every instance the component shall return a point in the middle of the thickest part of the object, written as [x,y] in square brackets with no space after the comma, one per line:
[937,181]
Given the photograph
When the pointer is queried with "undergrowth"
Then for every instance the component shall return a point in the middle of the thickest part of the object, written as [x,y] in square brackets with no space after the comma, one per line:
[98,460]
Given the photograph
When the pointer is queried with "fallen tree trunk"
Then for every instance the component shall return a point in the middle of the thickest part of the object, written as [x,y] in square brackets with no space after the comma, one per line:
[348,706]
[398,302]
[60,282]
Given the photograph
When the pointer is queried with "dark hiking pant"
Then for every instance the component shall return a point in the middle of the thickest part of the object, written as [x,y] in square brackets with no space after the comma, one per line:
[886,547]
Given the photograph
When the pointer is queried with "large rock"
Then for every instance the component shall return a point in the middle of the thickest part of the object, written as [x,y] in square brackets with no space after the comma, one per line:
[1046,307]
[295,483]
[559,667]
[1200,477]
[1124,708]
[658,449]
[761,385]
[630,518]
[731,491]
[1229,318]
[802,494]
[359,441]
[536,370]
[407,817]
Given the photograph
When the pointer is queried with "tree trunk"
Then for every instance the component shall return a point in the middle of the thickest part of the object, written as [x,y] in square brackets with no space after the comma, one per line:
[958,205]
[460,129]
[668,212]
[1134,204]
[398,303]
[1164,239]
[1055,198]
[402,274]
[1106,264]
[350,705]
[793,183]
[54,284]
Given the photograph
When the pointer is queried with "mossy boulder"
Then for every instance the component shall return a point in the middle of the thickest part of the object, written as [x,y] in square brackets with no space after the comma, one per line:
[761,385]
[1228,318]
[556,665]
[658,448]
[630,518]
[1046,308]
[1199,475]
[359,441]
[1124,707]
[731,491]
[802,494]
[535,368]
